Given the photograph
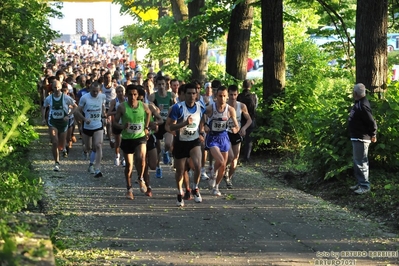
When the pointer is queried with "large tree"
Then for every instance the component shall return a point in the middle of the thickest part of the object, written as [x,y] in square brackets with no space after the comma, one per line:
[371,44]
[273,47]
[238,39]
[180,13]
[198,45]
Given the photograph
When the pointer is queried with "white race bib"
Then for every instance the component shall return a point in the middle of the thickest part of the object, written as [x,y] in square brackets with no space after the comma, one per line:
[133,128]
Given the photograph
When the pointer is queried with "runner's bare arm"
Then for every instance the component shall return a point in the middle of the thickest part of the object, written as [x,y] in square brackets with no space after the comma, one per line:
[245,113]
[232,113]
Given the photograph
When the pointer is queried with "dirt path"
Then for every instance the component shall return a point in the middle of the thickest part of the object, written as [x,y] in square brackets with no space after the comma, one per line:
[259,222]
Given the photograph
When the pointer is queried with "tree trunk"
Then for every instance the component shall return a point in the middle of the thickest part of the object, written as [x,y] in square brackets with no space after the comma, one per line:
[199,47]
[180,13]
[273,47]
[162,11]
[371,44]
[238,39]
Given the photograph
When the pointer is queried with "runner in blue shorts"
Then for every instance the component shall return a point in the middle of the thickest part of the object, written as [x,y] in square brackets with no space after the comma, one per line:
[217,140]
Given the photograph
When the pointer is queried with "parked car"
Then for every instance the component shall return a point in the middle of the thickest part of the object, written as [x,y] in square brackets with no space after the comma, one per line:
[393,41]
[328,34]
[320,40]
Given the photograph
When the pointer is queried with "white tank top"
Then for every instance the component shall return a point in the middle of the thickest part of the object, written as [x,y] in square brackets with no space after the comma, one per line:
[190,132]
[92,108]
[238,117]
[218,120]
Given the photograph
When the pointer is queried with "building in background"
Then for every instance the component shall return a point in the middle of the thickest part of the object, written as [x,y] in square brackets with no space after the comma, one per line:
[79,17]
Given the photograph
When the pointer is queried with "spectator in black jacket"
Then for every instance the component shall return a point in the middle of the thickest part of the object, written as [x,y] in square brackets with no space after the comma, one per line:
[251,101]
[363,131]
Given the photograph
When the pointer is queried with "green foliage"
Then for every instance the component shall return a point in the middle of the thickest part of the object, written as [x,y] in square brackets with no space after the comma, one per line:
[159,38]
[23,42]
[118,40]
[215,71]
[393,58]
[25,35]
[385,151]
[309,119]
[178,71]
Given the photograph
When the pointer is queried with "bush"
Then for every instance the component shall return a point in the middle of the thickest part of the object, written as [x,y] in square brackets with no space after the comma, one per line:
[309,118]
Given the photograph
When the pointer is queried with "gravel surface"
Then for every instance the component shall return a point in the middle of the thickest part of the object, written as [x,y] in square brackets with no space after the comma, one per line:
[259,222]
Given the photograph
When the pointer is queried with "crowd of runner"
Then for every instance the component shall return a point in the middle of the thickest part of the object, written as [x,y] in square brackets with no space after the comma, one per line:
[101,95]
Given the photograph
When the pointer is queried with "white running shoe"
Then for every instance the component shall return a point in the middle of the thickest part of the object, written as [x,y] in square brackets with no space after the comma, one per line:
[204,175]
[180,201]
[216,192]
[56,167]
[117,161]
[197,195]
[91,169]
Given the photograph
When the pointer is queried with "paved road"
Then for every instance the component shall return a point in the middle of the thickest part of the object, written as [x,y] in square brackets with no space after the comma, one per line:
[259,222]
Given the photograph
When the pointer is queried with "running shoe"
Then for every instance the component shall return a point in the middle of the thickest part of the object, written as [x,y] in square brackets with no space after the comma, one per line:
[123,162]
[229,184]
[166,158]
[56,167]
[129,194]
[64,153]
[204,175]
[197,195]
[149,192]
[98,174]
[361,190]
[158,172]
[91,169]
[143,187]
[180,201]
[216,192]
[187,195]
[117,161]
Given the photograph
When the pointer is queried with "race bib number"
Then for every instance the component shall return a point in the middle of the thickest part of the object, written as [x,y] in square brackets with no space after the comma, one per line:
[187,134]
[218,125]
[134,128]
[94,117]
[58,114]
[163,109]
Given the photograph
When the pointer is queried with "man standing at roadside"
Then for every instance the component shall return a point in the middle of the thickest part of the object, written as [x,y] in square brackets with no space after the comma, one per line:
[251,101]
[363,131]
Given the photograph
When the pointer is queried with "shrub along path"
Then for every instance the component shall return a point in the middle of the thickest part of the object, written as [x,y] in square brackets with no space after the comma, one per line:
[259,222]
